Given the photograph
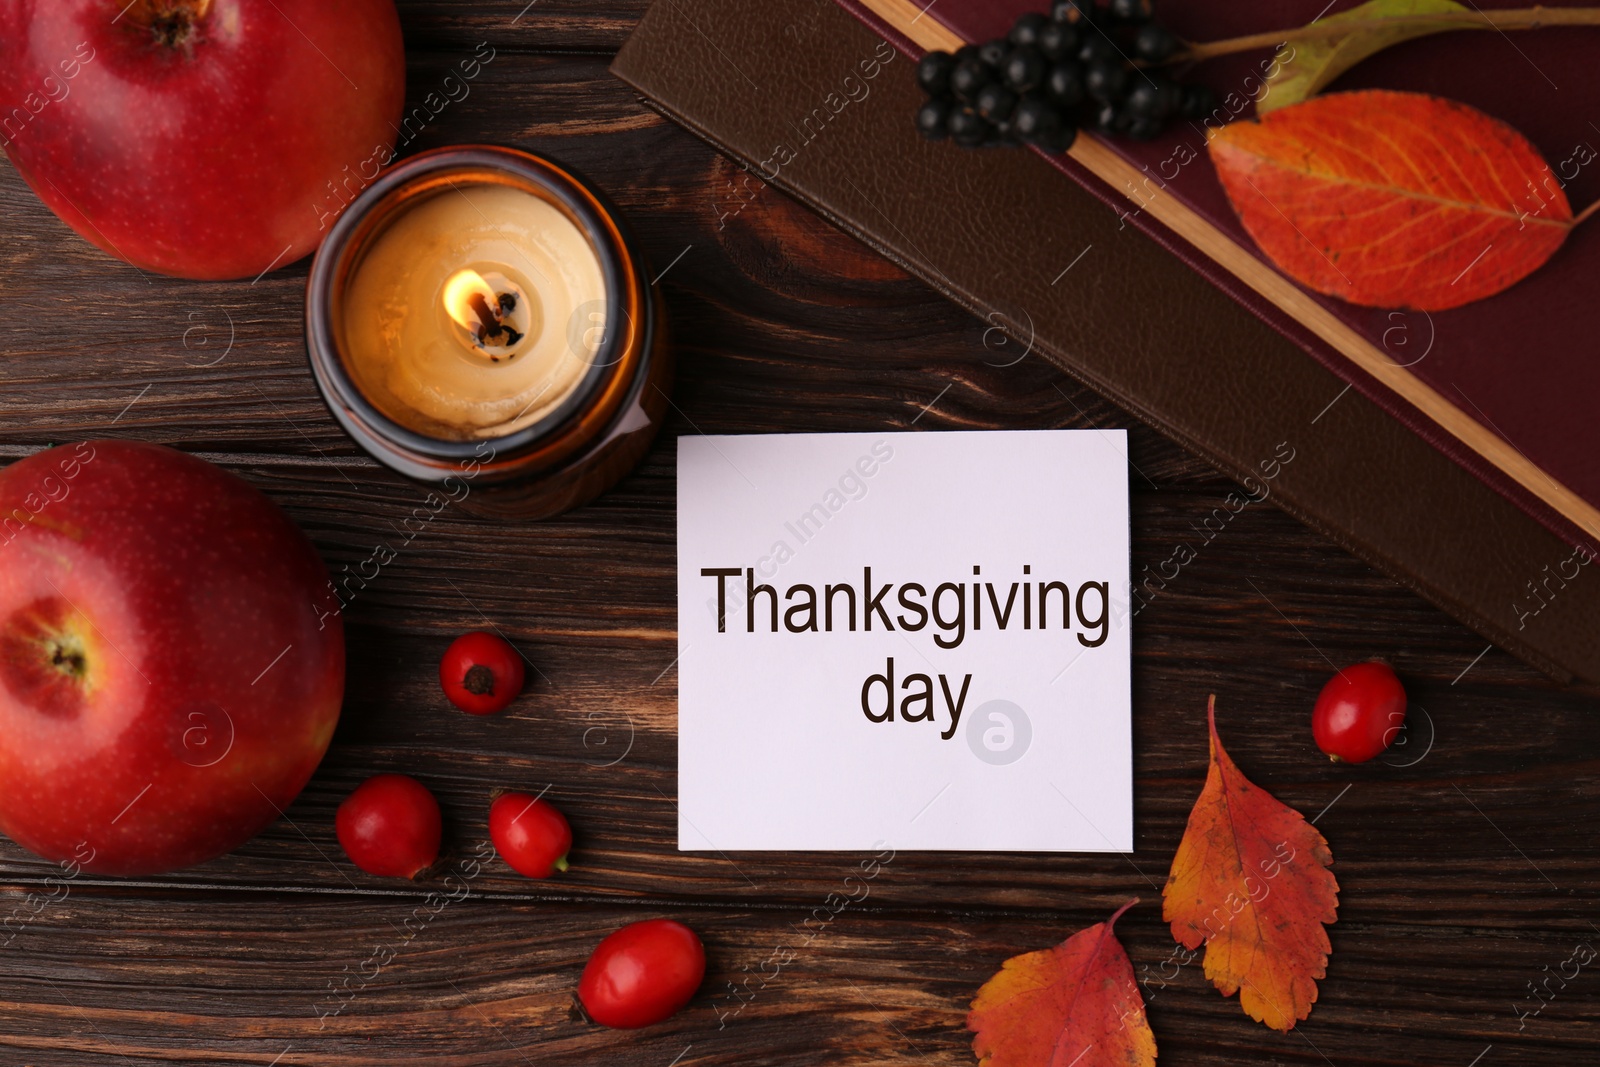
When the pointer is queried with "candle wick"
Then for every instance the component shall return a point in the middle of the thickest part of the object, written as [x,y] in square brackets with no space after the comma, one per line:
[491,323]
[488,320]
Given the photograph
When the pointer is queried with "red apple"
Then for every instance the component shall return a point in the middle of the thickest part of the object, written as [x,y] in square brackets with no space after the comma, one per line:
[201,138]
[171,658]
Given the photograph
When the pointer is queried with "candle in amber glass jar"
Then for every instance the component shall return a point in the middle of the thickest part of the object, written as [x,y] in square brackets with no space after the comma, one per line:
[480,315]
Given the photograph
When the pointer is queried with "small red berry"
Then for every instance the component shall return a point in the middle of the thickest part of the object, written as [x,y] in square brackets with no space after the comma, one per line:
[1359,712]
[390,826]
[642,973]
[481,673]
[530,835]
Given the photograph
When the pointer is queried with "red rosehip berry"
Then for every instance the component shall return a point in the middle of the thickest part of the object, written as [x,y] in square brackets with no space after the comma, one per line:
[481,673]
[529,834]
[390,826]
[642,973]
[1359,712]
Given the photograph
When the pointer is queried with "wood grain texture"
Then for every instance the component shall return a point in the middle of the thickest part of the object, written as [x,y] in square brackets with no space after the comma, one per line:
[518,25]
[1464,876]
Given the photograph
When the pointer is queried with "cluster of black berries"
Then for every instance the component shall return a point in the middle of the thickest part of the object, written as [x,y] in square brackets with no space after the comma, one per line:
[1089,63]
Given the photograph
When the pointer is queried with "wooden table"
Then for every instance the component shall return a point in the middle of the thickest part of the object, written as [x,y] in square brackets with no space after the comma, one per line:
[1466,875]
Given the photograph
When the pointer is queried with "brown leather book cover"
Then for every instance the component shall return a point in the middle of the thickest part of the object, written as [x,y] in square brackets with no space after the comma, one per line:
[815,103]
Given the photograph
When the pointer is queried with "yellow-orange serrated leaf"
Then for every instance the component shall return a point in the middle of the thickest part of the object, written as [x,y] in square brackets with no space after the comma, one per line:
[1251,881]
[1075,1005]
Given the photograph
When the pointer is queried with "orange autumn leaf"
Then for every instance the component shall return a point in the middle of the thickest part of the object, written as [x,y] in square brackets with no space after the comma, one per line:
[1075,1005]
[1251,880]
[1393,199]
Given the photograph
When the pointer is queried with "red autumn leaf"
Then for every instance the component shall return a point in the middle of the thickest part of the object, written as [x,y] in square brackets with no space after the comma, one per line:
[1251,880]
[1393,199]
[1075,1005]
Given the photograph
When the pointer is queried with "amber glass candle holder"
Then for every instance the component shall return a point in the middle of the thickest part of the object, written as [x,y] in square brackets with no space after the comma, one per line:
[590,432]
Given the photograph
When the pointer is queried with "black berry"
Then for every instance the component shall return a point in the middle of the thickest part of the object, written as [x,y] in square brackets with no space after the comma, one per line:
[1198,102]
[1108,118]
[933,73]
[1154,42]
[1072,12]
[967,78]
[995,102]
[1098,48]
[1064,84]
[933,119]
[967,127]
[1026,29]
[1144,129]
[1152,98]
[1057,42]
[1106,81]
[1088,63]
[1034,117]
[1025,68]
[1059,139]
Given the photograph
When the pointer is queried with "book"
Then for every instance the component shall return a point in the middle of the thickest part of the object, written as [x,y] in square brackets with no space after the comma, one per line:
[812,101]
[1502,385]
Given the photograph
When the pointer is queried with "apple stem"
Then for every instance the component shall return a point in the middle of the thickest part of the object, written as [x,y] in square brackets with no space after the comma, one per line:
[70,659]
[561,864]
[172,22]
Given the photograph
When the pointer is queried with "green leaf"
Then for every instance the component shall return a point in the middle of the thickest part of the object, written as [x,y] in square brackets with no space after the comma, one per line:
[1302,69]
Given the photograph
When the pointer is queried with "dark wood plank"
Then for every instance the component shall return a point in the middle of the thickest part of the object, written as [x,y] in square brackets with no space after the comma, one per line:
[190,979]
[1464,874]
[518,25]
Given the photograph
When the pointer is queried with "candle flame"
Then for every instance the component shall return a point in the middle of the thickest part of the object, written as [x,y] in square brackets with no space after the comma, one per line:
[491,310]
[467,298]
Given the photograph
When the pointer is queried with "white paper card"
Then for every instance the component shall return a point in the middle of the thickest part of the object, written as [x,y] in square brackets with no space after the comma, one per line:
[983,570]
